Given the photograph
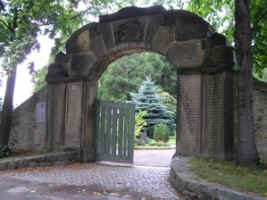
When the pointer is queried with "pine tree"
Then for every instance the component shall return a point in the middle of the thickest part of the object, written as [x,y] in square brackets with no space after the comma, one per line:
[157,113]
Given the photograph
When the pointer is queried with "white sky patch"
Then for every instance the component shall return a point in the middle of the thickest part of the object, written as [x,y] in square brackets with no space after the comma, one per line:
[24,85]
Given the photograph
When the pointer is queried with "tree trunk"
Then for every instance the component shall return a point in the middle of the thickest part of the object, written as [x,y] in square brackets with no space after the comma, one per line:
[247,152]
[6,118]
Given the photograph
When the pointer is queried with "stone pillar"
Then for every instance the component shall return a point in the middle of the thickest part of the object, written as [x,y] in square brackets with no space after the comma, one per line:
[55,122]
[88,137]
[205,114]
[73,114]
[217,121]
[188,112]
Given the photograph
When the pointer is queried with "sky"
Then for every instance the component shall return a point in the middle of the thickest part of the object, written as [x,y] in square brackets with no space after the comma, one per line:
[24,85]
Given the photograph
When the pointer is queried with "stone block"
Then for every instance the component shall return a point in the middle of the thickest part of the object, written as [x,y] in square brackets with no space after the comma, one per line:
[219,55]
[189,26]
[79,42]
[163,37]
[81,64]
[108,35]
[186,54]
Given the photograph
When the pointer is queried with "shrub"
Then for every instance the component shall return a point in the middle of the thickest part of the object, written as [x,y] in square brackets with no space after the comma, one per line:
[4,151]
[139,122]
[161,132]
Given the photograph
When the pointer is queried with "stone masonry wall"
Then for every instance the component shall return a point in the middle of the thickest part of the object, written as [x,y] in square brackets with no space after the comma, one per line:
[28,125]
[260,117]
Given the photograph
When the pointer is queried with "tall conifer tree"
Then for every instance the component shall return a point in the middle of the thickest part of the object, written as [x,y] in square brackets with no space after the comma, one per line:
[157,113]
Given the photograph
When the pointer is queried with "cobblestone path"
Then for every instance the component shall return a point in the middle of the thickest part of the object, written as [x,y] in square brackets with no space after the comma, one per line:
[134,183]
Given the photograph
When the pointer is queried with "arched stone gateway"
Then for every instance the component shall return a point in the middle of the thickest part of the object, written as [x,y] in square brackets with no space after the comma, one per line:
[202,58]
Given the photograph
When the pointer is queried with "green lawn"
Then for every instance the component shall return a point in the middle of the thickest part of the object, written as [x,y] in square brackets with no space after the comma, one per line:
[229,174]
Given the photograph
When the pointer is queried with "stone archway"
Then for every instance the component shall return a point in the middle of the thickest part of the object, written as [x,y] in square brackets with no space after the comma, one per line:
[200,56]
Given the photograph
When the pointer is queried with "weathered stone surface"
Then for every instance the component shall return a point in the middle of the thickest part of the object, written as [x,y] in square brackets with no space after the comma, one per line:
[73,114]
[186,54]
[188,114]
[27,134]
[162,39]
[260,117]
[97,44]
[107,32]
[80,40]
[59,158]
[189,26]
[192,187]
[88,122]
[217,127]
[56,105]
[81,64]
[218,59]
[129,31]
[214,40]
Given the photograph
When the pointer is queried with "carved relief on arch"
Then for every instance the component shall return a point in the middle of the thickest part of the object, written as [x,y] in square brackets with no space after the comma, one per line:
[129,31]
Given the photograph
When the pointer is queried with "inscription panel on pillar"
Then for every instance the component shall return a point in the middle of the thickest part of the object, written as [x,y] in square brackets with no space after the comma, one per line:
[73,114]
[40,112]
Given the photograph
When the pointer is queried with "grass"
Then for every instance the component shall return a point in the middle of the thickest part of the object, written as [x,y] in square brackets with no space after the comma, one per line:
[172,140]
[231,175]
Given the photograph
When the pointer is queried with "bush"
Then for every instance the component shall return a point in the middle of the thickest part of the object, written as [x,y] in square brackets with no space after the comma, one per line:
[4,151]
[139,122]
[161,132]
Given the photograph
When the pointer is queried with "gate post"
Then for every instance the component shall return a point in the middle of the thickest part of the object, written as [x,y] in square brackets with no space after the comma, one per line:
[55,117]
[205,106]
[88,128]
[188,128]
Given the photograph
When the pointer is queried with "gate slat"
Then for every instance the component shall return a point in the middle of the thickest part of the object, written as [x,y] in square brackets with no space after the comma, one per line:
[98,120]
[102,130]
[131,133]
[114,127]
[108,129]
[120,147]
[125,136]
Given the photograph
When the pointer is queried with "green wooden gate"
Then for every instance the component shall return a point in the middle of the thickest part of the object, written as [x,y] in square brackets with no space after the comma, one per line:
[115,131]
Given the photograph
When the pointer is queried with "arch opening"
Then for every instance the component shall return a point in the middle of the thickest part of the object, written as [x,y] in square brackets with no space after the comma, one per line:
[148,81]
[200,56]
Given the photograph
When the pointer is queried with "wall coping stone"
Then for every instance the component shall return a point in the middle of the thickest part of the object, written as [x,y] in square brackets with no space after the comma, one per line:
[47,159]
[193,187]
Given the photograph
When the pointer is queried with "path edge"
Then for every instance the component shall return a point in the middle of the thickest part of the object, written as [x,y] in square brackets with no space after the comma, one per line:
[192,187]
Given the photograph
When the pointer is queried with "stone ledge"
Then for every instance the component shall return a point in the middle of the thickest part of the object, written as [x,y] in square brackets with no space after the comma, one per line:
[48,159]
[192,187]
